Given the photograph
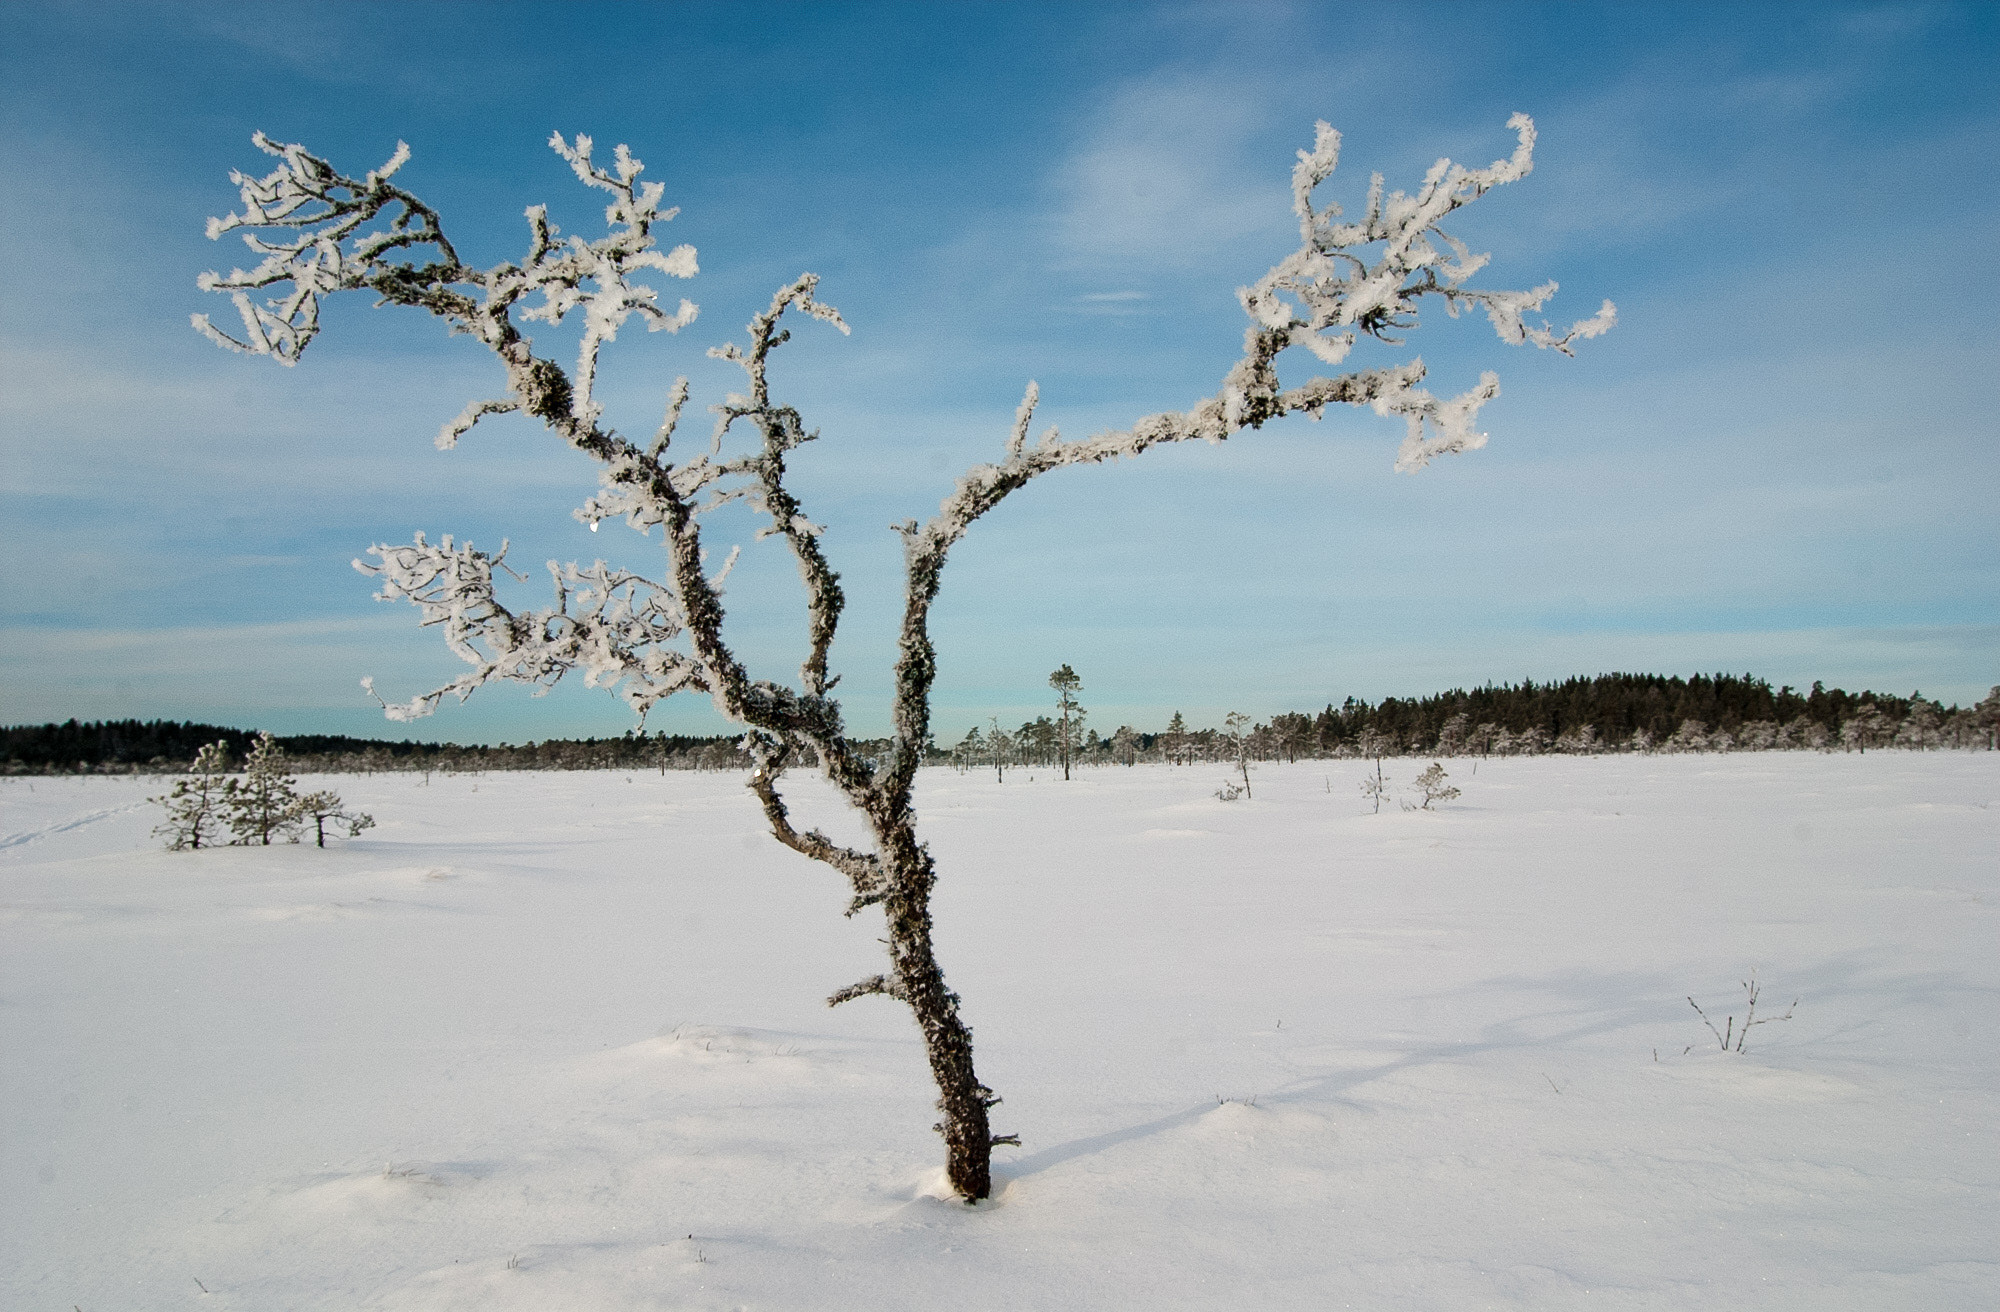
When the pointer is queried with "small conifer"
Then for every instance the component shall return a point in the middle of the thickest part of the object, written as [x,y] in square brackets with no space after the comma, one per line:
[264,803]
[195,806]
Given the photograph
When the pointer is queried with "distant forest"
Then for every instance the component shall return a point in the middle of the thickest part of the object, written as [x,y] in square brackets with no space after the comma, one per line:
[1607,713]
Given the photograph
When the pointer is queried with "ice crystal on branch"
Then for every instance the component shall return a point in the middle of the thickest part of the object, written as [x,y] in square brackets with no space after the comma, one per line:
[614,626]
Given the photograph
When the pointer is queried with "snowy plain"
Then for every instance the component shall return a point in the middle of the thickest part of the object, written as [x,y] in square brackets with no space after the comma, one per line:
[559,1041]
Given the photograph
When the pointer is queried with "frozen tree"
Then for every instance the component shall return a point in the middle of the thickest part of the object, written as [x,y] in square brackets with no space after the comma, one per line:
[264,803]
[316,232]
[1986,717]
[325,806]
[1692,736]
[1373,744]
[1484,737]
[1001,744]
[195,804]
[1374,787]
[1067,686]
[1757,735]
[1455,735]
[1036,740]
[970,748]
[1866,728]
[1235,726]
[1430,786]
[1174,742]
[1919,730]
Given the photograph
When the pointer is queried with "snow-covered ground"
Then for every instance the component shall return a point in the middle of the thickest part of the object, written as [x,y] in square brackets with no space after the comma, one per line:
[557,1042]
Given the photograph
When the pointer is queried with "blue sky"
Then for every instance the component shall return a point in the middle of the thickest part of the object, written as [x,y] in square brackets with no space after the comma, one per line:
[1782,461]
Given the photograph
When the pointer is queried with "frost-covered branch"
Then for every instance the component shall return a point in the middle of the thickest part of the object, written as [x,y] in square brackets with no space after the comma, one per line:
[1326,293]
[327,210]
[1320,297]
[781,430]
[613,625]
[881,984]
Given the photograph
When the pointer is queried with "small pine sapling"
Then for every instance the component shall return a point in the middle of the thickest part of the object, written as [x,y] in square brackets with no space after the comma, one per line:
[1431,786]
[194,807]
[1067,685]
[264,803]
[1374,787]
[326,805]
[1236,722]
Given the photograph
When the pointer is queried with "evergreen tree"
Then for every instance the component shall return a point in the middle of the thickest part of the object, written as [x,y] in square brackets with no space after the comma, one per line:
[323,806]
[194,807]
[1431,786]
[1235,723]
[1001,744]
[1070,710]
[264,803]
[1374,787]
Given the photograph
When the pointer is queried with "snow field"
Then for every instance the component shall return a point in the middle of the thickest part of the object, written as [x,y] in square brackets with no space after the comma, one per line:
[559,1041]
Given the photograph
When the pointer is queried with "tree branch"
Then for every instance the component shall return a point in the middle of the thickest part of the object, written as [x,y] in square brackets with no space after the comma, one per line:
[873,984]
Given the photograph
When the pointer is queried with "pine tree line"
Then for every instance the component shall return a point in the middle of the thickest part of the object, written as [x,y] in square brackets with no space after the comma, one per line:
[1610,712]
[170,747]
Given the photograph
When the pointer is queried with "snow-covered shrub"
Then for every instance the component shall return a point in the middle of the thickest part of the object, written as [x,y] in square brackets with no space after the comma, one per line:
[324,806]
[195,804]
[1692,736]
[1234,724]
[1374,787]
[1430,786]
[318,231]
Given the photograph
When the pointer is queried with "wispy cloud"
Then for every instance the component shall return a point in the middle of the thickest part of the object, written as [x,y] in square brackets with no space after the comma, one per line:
[1159,178]
[1115,303]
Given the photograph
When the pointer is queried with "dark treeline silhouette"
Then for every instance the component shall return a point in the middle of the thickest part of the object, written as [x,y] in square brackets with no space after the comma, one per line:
[1606,713]
[1610,712]
[133,746]
[1617,705]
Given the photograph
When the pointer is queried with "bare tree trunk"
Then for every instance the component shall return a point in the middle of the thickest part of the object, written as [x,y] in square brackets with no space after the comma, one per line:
[962,1099]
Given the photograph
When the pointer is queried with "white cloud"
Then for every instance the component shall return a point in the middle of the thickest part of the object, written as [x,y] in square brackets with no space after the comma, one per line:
[1160,176]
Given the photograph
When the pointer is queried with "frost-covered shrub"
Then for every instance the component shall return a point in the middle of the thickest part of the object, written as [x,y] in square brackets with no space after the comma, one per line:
[324,807]
[1692,736]
[1374,787]
[1430,786]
